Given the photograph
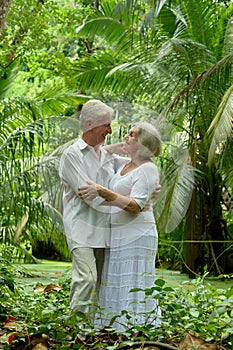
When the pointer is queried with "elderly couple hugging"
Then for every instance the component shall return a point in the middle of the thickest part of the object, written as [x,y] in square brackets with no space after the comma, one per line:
[108,218]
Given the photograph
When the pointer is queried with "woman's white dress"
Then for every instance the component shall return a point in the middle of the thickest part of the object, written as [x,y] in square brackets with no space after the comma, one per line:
[130,261]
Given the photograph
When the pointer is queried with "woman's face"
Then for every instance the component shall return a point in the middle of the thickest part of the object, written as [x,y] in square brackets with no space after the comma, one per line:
[131,140]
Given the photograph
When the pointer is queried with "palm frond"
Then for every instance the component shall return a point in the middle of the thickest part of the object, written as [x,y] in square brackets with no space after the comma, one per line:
[177,186]
[206,23]
[26,124]
[221,128]
[208,85]
[91,72]
[108,28]
[53,100]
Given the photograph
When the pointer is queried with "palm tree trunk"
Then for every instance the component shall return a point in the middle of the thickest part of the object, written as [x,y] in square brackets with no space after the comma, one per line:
[194,226]
[215,229]
[205,229]
[4,9]
[195,241]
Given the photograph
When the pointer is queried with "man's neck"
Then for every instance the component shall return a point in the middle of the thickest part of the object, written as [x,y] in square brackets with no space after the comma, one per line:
[88,139]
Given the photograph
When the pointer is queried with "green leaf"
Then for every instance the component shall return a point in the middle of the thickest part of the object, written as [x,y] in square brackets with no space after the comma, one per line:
[160,282]
[194,312]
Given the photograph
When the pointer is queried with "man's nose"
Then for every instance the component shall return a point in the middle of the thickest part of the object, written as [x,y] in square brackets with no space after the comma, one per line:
[110,130]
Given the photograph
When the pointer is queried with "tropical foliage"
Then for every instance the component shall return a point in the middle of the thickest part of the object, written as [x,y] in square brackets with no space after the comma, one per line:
[167,62]
[195,314]
[177,58]
[33,101]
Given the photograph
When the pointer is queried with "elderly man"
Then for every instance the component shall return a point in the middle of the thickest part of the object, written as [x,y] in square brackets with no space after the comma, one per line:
[87,228]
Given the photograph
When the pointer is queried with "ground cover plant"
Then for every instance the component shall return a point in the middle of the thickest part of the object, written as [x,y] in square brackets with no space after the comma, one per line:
[35,315]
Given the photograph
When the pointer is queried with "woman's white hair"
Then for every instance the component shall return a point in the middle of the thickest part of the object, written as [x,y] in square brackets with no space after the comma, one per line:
[149,139]
[94,111]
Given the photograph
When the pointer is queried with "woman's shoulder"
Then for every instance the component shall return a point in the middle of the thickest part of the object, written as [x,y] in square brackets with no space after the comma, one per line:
[150,166]
[150,170]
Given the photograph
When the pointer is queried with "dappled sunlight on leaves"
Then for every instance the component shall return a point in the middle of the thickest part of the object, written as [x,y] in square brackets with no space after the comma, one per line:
[47,289]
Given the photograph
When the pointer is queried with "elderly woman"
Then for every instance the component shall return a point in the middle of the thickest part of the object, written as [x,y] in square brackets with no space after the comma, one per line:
[130,261]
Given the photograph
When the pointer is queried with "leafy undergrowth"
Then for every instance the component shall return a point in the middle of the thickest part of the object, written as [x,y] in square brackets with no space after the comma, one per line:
[39,318]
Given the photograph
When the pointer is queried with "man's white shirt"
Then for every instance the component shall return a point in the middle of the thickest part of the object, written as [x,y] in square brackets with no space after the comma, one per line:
[86,223]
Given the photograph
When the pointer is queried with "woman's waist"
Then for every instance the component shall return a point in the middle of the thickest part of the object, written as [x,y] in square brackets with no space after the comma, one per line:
[122,217]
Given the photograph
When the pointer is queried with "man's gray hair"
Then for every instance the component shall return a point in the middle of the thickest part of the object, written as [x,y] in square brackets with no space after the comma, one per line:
[149,138]
[94,111]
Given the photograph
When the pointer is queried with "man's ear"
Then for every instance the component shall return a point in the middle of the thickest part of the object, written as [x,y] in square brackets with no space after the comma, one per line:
[88,124]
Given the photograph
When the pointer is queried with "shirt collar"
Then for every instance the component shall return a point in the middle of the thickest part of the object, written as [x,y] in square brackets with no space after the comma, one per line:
[82,145]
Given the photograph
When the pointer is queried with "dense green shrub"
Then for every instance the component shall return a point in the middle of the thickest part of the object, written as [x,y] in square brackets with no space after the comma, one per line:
[195,307]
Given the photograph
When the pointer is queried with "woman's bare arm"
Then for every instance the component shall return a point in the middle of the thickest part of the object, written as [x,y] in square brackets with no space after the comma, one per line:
[115,148]
[91,190]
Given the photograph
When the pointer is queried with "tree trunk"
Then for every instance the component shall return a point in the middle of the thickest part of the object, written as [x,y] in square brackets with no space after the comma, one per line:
[194,227]
[215,229]
[194,263]
[205,231]
[4,8]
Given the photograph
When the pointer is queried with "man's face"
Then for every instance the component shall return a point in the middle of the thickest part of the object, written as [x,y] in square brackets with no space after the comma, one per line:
[101,130]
